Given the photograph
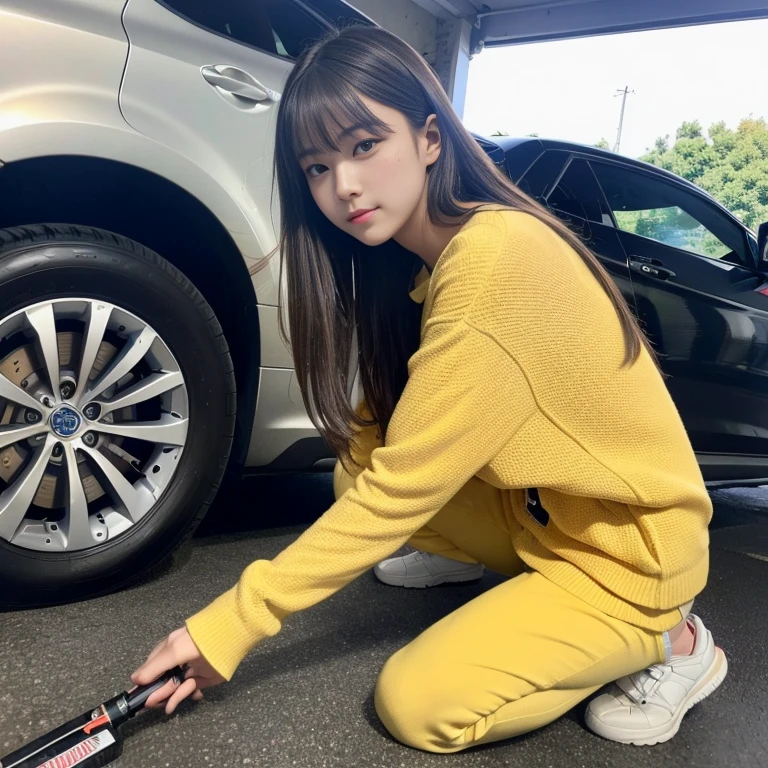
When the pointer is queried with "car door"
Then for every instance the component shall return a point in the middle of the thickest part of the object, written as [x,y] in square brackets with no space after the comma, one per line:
[566,184]
[204,77]
[696,292]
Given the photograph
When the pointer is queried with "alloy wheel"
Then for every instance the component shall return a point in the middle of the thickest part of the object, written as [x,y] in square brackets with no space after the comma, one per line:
[94,415]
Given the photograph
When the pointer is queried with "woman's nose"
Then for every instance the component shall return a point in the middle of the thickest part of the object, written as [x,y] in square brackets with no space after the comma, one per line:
[347,184]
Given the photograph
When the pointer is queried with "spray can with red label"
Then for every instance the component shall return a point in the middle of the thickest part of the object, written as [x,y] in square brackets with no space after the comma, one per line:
[91,740]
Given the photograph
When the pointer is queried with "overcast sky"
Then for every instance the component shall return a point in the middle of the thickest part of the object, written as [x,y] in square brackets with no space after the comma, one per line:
[565,89]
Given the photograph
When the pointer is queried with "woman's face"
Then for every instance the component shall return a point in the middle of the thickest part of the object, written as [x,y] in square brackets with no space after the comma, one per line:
[384,175]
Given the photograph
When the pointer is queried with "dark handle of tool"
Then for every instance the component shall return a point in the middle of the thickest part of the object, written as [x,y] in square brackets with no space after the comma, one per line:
[126,704]
[138,698]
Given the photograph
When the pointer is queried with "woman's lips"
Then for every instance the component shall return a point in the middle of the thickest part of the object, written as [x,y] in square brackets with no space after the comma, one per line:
[362,217]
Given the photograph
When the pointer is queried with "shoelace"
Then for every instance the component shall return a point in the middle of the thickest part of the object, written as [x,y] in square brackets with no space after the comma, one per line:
[645,683]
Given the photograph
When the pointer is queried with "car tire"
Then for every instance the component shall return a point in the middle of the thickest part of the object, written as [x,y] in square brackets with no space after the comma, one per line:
[71,269]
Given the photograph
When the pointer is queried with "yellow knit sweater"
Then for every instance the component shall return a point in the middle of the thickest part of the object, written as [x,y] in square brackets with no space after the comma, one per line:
[518,380]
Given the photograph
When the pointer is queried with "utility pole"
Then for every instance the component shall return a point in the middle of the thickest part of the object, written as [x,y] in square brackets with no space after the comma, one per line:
[625,92]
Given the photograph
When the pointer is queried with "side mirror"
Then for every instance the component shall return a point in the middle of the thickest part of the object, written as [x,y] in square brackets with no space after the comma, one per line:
[762,243]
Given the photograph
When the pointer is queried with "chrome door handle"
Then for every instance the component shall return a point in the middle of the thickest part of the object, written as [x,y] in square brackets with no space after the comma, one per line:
[651,268]
[238,83]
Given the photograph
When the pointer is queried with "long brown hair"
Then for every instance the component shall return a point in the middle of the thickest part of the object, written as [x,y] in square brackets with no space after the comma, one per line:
[335,284]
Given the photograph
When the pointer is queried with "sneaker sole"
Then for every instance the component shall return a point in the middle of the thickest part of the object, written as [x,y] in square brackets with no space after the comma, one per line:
[420,582]
[715,675]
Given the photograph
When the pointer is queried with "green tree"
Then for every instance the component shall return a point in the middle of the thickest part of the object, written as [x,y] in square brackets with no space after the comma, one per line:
[603,144]
[690,130]
[732,165]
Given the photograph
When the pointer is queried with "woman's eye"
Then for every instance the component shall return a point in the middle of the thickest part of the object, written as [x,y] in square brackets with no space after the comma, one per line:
[313,171]
[366,145]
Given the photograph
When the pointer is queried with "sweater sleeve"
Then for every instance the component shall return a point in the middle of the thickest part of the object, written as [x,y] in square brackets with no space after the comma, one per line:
[464,401]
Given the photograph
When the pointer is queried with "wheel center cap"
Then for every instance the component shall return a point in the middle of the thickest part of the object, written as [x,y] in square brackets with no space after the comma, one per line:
[65,421]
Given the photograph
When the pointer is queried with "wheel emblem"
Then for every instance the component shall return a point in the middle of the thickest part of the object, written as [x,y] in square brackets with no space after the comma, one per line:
[65,421]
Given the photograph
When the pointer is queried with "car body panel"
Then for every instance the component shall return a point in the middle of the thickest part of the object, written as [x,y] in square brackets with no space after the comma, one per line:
[274,354]
[284,421]
[712,339]
[165,97]
[58,85]
[94,17]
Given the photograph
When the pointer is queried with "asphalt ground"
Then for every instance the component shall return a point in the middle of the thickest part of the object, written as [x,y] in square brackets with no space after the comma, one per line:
[304,699]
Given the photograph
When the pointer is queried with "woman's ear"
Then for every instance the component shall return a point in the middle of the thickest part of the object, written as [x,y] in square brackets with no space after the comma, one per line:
[431,140]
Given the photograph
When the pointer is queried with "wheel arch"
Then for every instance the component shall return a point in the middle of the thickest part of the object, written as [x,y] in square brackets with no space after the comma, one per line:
[145,207]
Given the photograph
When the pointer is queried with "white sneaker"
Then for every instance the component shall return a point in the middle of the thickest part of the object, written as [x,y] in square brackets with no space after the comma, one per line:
[647,707]
[421,569]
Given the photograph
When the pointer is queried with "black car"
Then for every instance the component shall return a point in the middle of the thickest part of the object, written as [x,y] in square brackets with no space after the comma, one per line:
[693,274]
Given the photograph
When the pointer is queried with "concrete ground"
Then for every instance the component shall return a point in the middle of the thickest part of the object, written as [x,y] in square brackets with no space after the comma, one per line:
[304,698]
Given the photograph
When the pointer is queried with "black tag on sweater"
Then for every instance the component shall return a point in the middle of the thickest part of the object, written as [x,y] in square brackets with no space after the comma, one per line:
[533,505]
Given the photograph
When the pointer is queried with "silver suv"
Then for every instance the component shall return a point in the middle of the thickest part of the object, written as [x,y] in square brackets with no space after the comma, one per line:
[139,352]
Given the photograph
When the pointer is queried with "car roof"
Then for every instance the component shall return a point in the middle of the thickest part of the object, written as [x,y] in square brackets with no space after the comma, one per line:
[530,144]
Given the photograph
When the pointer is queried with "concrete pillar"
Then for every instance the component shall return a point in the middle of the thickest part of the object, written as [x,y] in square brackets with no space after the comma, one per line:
[407,20]
[452,61]
[443,42]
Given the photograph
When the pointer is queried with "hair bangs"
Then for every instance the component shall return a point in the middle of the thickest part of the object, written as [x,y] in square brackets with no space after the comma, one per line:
[324,107]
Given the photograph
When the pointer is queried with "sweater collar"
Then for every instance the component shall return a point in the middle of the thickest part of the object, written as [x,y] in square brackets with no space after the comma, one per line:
[421,286]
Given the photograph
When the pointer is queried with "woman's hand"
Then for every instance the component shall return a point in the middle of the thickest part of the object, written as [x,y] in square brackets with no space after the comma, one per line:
[177,648]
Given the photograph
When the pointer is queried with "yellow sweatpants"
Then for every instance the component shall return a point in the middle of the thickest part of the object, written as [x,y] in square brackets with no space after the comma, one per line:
[513,659]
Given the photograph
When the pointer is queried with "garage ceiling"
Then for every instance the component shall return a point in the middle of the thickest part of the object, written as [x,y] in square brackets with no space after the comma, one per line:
[507,22]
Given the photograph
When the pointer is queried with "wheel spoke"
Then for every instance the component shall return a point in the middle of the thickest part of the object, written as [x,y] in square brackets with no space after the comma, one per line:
[15,500]
[76,527]
[97,324]
[15,394]
[154,385]
[131,354]
[167,430]
[123,493]
[42,321]
[143,371]
[13,433]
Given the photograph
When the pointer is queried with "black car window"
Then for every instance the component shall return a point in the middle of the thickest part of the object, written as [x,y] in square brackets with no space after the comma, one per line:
[659,209]
[537,181]
[578,194]
[275,26]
